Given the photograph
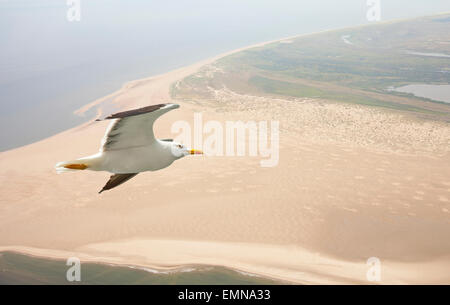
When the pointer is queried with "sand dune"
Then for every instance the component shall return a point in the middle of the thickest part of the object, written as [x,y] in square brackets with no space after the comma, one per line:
[352,183]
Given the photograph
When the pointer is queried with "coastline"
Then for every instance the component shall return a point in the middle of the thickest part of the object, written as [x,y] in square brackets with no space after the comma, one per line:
[299,265]
[175,75]
[50,271]
[151,268]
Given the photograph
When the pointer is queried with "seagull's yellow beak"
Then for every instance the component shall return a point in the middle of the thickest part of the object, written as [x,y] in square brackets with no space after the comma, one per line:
[195,152]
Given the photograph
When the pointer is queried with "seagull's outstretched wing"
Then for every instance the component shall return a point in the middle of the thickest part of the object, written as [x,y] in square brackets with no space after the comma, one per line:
[133,128]
[116,180]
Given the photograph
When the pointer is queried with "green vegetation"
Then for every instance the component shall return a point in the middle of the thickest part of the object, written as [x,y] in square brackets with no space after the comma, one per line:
[355,65]
[285,88]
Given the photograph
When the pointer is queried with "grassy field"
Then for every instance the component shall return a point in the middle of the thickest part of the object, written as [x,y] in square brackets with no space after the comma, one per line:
[354,65]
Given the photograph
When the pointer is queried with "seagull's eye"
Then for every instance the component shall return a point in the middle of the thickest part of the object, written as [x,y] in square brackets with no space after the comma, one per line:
[180,146]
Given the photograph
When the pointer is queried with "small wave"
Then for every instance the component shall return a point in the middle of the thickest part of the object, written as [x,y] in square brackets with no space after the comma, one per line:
[162,271]
[247,273]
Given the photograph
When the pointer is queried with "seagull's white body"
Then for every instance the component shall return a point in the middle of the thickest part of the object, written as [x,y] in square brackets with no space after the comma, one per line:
[129,147]
[152,157]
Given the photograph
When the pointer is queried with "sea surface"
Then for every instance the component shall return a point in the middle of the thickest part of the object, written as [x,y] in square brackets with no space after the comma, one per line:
[50,66]
[28,270]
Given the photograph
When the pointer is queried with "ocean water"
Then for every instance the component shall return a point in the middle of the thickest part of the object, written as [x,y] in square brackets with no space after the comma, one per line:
[435,92]
[27,270]
[49,66]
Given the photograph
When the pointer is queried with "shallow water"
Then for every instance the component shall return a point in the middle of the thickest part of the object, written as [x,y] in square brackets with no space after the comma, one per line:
[22,269]
[435,92]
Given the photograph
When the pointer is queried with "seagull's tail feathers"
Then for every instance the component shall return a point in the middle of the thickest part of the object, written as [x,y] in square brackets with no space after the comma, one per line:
[69,166]
[76,165]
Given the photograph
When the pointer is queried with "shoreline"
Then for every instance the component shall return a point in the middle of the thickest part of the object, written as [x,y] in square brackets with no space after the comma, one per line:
[262,271]
[153,269]
[184,71]
[59,255]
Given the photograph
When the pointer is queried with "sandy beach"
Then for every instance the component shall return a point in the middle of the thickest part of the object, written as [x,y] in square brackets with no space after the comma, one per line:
[353,182]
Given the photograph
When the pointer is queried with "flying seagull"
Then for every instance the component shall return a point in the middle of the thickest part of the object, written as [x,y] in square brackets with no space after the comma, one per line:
[130,147]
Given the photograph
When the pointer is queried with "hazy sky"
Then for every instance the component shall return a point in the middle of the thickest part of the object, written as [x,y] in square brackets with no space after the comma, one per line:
[36,36]
[50,66]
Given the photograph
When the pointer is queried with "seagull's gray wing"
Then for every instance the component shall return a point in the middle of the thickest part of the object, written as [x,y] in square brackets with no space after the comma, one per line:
[133,128]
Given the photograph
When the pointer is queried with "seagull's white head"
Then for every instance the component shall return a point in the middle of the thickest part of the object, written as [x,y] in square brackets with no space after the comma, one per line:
[179,150]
